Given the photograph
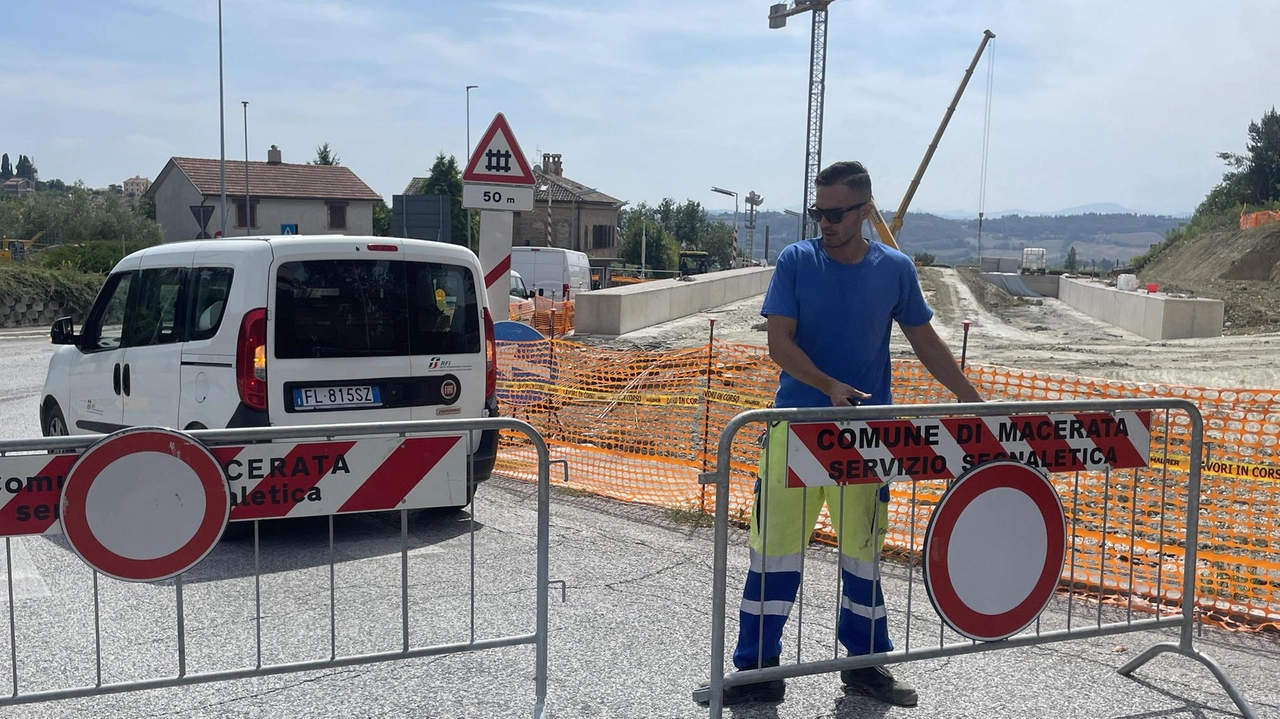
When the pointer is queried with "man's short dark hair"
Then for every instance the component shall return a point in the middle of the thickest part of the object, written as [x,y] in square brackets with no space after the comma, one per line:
[849,173]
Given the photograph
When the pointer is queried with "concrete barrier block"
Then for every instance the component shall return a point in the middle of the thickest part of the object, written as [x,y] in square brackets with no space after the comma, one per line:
[1155,317]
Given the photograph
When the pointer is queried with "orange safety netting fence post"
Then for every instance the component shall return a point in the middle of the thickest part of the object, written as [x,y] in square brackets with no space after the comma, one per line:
[639,426]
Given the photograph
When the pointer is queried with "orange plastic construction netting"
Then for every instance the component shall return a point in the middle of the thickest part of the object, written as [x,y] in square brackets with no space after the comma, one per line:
[640,426]
[1250,220]
[552,319]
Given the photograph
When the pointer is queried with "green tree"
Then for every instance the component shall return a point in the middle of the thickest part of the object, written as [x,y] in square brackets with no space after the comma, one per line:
[25,168]
[643,225]
[54,185]
[1252,178]
[924,258]
[147,207]
[325,156]
[1072,261]
[1256,175]
[77,217]
[446,179]
[6,168]
[716,239]
[381,219]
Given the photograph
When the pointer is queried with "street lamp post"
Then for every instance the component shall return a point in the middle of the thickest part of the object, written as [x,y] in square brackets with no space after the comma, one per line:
[248,206]
[733,262]
[468,92]
[222,128]
[793,213]
[644,243]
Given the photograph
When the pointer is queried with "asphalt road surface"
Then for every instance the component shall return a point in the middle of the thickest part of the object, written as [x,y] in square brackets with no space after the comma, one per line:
[630,640]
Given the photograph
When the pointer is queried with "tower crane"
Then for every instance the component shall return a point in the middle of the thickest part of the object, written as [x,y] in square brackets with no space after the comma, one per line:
[778,14]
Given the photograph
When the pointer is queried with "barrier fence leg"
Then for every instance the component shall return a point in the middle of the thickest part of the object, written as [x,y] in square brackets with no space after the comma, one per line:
[543,579]
[719,582]
[1186,642]
[13,630]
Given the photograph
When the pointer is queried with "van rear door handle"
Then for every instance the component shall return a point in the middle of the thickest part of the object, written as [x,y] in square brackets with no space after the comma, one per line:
[115,379]
[126,380]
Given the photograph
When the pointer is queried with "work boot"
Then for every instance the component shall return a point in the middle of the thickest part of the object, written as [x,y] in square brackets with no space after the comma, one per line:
[764,692]
[879,684]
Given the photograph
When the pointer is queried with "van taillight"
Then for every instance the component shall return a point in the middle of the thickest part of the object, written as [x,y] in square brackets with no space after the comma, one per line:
[251,360]
[490,357]
[565,297]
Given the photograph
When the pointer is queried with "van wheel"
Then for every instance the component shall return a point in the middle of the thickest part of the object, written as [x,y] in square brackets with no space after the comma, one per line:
[54,425]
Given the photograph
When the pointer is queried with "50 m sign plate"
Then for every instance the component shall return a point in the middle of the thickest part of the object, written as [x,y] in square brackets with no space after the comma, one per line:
[510,198]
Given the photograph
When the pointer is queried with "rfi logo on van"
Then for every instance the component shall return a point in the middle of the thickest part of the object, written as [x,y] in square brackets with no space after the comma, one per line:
[440,363]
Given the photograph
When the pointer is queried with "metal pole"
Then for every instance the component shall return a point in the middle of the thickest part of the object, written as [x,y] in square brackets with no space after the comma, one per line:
[248,206]
[964,348]
[737,260]
[468,160]
[222,127]
[644,240]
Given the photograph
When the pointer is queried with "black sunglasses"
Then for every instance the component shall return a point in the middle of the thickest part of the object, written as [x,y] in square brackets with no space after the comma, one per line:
[834,215]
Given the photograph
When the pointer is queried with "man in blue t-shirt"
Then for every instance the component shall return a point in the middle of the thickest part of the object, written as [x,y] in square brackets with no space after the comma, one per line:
[830,309]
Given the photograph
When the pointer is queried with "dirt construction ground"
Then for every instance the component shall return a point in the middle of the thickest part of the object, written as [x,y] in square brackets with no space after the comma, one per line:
[1029,333]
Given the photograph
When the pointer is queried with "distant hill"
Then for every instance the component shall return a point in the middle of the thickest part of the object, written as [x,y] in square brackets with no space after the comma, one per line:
[1096,236]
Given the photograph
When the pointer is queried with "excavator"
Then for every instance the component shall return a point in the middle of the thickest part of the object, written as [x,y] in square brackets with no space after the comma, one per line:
[889,231]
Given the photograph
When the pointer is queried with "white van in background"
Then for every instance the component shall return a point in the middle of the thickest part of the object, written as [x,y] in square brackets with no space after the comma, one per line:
[280,331]
[552,272]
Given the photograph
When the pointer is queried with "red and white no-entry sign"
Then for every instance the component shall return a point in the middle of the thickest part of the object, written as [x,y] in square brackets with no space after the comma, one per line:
[994,550]
[145,504]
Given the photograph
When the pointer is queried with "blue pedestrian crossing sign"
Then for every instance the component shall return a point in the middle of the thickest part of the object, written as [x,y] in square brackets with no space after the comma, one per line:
[289,229]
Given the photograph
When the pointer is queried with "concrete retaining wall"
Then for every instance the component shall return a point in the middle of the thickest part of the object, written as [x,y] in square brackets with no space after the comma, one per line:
[32,312]
[1043,285]
[619,310]
[1156,316]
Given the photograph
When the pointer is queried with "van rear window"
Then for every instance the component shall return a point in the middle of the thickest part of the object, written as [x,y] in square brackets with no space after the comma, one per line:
[375,308]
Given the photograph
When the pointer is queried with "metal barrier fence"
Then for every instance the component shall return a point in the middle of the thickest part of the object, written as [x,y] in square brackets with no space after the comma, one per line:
[1103,446]
[360,468]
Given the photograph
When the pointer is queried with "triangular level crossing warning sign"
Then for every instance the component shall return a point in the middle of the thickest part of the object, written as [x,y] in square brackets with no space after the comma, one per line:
[498,157]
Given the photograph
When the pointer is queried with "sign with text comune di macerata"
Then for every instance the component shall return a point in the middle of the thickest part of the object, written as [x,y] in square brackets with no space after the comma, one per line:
[868,452]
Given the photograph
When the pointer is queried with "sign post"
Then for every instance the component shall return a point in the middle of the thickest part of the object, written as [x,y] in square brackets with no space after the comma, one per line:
[497,182]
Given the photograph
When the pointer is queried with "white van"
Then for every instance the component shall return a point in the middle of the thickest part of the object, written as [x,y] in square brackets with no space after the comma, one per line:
[552,272]
[280,331]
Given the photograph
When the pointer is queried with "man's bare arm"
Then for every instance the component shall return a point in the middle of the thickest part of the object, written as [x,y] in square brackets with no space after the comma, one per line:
[937,358]
[784,351]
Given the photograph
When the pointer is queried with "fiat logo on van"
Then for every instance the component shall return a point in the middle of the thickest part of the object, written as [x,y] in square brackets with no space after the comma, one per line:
[449,390]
